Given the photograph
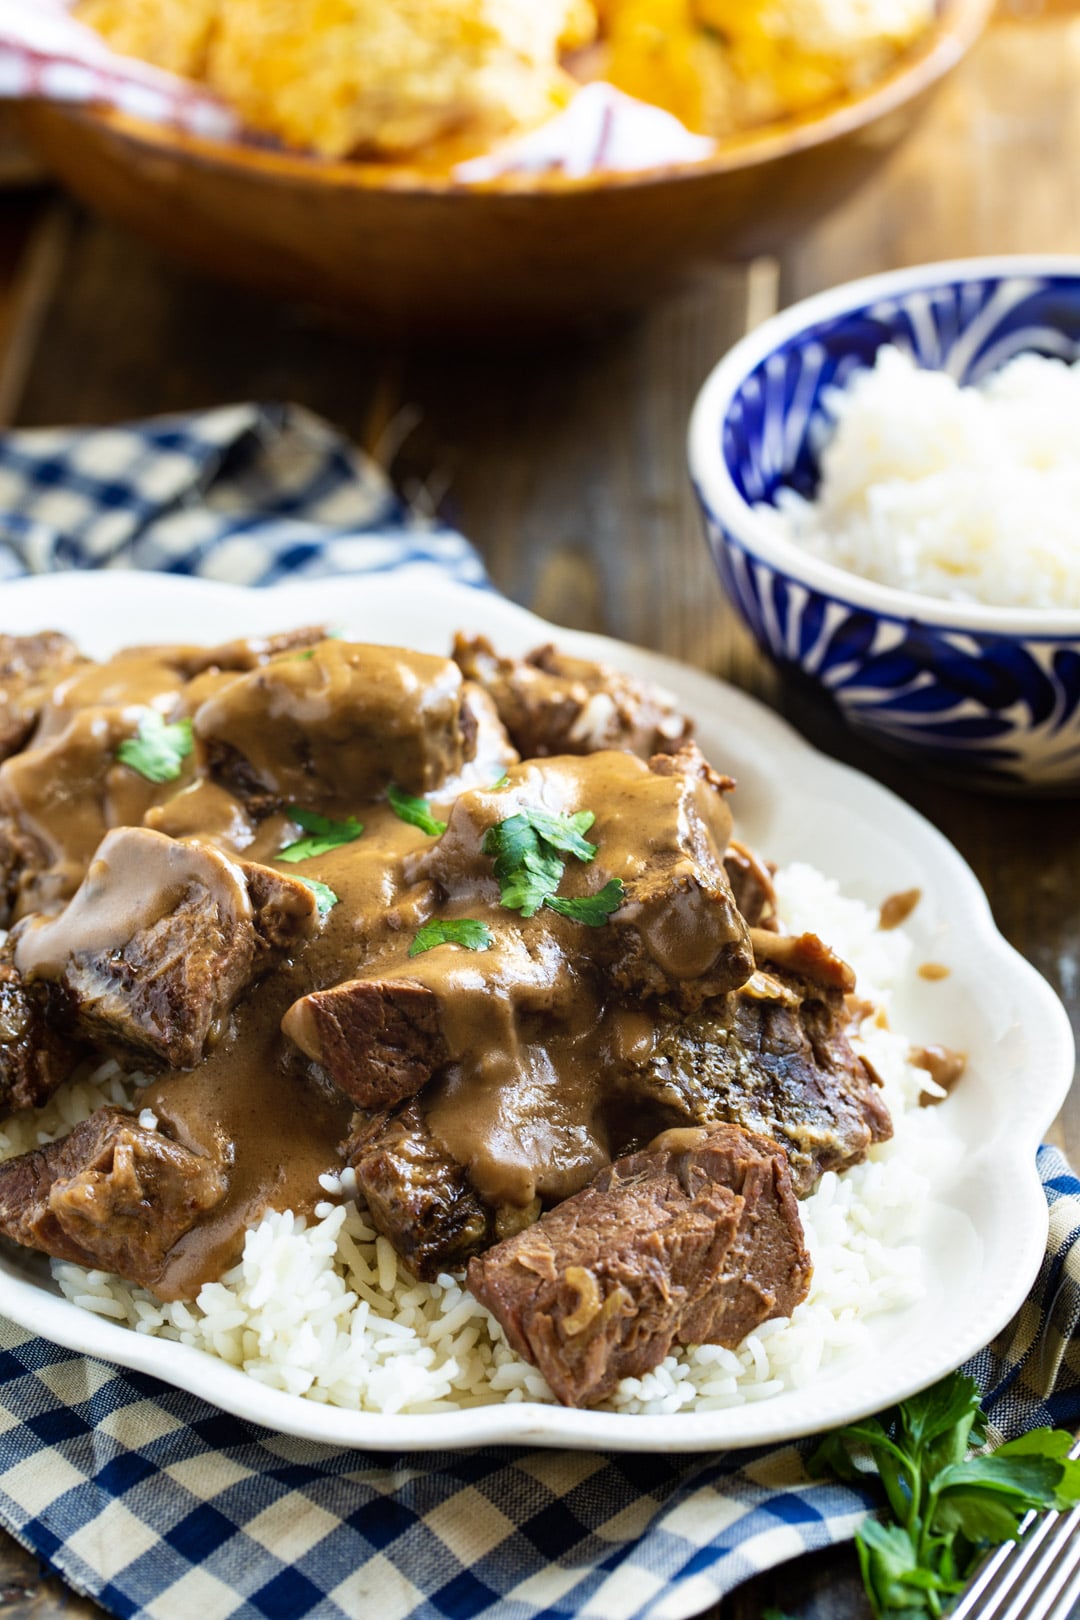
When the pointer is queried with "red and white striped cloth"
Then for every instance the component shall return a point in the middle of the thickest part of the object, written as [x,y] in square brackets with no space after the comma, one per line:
[46,53]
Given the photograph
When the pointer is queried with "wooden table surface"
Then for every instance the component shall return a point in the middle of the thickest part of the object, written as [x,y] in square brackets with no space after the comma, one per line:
[566,466]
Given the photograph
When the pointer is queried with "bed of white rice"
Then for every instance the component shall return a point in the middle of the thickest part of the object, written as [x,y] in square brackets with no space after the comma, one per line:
[972,494]
[325,1310]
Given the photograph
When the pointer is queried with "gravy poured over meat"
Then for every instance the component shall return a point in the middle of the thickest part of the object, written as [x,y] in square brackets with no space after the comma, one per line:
[219,868]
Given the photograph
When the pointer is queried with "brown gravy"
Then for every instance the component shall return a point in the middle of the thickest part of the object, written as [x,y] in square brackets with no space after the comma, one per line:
[898,908]
[942,1064]
[934,971]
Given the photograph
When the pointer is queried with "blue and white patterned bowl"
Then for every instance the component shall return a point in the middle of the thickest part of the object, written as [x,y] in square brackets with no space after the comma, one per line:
[989,695]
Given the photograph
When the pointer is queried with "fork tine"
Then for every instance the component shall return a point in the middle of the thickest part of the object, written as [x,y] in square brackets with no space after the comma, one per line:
[1051,1572]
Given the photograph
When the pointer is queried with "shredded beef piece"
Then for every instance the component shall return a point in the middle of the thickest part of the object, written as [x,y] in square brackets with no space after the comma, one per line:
[553,704]
[160,940]
[30,667]
[113,1195]
[697,1240]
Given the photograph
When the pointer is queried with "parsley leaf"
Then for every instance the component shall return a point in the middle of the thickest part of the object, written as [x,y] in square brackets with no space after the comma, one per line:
[564,832]
[947,1507]
[504,781]
[417,812]
[591,909]
[529,852]
[158,749]
[325,898]
[323,834]
[464,931]
[527,870]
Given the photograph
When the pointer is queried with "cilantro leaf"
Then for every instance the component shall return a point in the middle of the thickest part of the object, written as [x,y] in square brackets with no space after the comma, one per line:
[417,812]
[325,898]
[591,909]
[323,834]
[158,749]
[464,931]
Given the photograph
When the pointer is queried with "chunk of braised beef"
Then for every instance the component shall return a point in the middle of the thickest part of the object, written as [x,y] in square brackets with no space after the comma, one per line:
[30,666]
[333,730]
[771,1057]
[551,703]
[379,1040]
[160,941]
[415,1193]
[37,1053]
[697,1240]
[113,1195]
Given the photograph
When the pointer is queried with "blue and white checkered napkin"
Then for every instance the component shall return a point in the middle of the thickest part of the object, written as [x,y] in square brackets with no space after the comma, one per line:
[158,1504]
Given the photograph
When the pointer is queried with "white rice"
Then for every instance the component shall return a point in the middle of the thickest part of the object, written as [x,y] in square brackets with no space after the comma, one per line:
[325,1310]
[972,494]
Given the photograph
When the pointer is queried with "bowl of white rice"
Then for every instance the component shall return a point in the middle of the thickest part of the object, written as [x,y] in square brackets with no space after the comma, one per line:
[889,475]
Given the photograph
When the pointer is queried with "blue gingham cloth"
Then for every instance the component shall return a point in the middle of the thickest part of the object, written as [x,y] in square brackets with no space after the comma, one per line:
[159,1505]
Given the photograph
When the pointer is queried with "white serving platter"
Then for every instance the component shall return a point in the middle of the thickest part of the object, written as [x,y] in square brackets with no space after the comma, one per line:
[985,1230]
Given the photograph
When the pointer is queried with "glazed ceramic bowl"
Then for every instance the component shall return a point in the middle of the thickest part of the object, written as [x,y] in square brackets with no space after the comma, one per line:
[989,696]
[397,250]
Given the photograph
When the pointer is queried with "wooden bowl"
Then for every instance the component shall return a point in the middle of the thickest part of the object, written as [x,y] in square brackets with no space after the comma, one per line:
[400,251]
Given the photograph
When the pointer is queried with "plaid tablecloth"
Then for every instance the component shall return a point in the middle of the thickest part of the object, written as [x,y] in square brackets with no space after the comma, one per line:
[160,1505]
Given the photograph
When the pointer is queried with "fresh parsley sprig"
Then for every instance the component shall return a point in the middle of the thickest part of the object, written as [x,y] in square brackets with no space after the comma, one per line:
[465,931]
[323,835]
[325,898]
[946,1508]
[529,853]
[158,748]
[417,812]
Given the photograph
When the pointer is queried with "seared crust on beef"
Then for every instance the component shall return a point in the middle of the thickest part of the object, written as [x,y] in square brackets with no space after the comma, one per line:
[160,980]
[30,667]
[697,1240]
[36,1055]
[113,1195]
[774,1058]
[415,1193]
[553,704]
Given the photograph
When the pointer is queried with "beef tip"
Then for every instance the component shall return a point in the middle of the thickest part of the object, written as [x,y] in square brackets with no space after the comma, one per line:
[379,1040]
[802,956]
[697,1240]
[751,881]
[553,704]
[159,942]
[30,666]
[113,1195]
[332,730]
[21,859]
[416,1194]
[239,656]
[661,829]
[679,931]
[36,1056]
[771,1057]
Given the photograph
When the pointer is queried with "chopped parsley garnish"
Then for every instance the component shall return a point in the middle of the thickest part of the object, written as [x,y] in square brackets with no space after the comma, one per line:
[325,898]
[159,748]
[464,931]
[591,909]
[944,1507]
[323,834]
[529,852]
[417,812]
[504,781]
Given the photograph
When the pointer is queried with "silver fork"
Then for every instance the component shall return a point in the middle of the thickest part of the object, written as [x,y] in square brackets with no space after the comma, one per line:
[1035,1578]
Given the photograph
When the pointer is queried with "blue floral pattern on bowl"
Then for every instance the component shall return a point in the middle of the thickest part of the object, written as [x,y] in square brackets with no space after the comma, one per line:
[993,706]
